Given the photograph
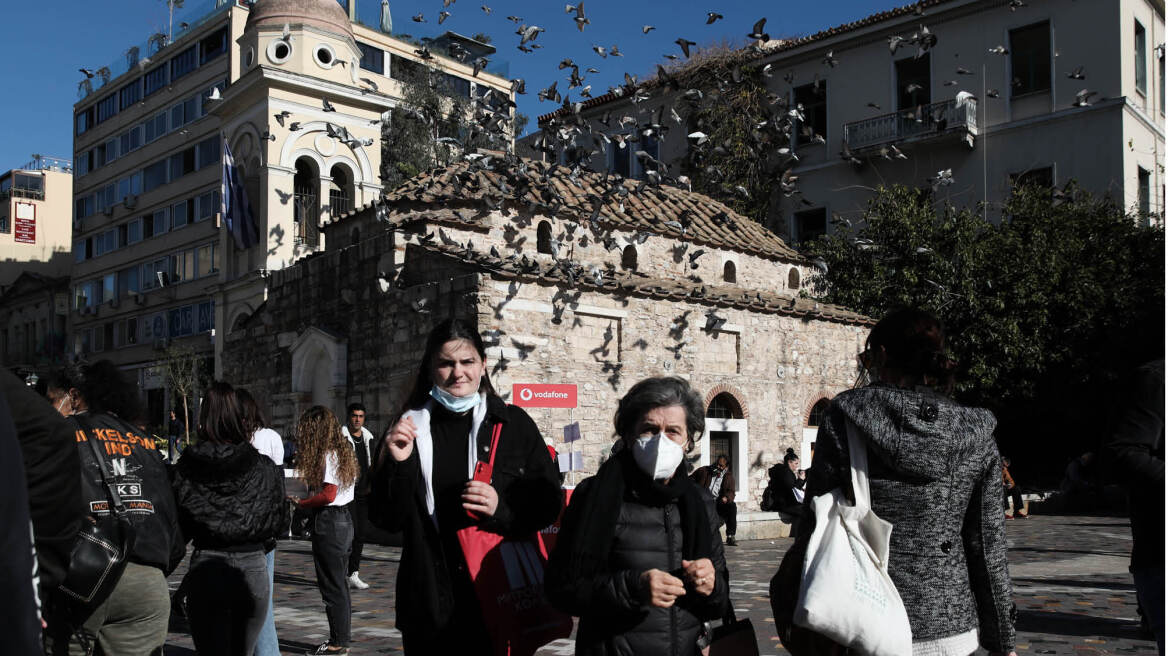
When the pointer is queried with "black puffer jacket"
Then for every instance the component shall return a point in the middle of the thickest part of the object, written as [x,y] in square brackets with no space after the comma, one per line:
[646,537]
[229,497]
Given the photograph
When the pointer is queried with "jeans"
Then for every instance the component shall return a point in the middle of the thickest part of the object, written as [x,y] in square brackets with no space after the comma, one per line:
[227,600]
[133,620]
[1150,592]
[360,514]
[332,539]
[268,644]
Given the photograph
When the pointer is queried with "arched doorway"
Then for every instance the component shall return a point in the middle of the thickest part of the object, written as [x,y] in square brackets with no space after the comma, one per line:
[726,434]
[815,417]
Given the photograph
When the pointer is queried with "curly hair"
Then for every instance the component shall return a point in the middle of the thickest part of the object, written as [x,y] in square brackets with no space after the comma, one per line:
[318,433]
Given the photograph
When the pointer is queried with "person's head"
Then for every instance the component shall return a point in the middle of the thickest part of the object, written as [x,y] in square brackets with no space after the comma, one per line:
[98,387]
[220,416]
[454,361]
[656,410]
[791,460]
[907,348]
[722,463]
[253,416]
[173,417]
[317,434]
[356,412]
[1005,461]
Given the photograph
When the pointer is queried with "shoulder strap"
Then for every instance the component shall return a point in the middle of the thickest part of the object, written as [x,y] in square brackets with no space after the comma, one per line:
[495,430]
[858,454]
[98,455]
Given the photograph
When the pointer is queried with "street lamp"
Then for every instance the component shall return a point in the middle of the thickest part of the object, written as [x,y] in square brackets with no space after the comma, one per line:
[31,379]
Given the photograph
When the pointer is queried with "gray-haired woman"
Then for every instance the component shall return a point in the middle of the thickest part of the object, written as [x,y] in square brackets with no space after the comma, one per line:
[638,557]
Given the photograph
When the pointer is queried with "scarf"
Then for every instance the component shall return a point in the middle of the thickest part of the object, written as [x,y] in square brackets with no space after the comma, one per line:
[587,554]
[424,444]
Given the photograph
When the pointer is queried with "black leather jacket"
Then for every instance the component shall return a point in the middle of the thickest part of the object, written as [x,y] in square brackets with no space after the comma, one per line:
[229,497]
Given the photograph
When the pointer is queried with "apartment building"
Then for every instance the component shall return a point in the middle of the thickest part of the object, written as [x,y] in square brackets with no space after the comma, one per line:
[297,89]
[1025,67]
[35,226]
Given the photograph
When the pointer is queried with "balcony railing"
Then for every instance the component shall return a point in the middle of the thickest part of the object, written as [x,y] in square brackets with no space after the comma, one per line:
[936,120]
[33,194]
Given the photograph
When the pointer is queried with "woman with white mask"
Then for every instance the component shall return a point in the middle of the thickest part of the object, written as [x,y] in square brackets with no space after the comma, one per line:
[638,556]
[422,485]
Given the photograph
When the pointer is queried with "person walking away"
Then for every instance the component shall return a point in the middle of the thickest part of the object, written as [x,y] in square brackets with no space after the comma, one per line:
[361,440]
[231,504]
[935,474]
[718,479]
[134,618]
[175,429]
[326,462]
[1011,491]
[638,557]
[268,443]
[422,486]
[1134,455]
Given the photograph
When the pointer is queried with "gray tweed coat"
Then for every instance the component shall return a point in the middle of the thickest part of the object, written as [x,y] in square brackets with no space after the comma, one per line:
[935,474]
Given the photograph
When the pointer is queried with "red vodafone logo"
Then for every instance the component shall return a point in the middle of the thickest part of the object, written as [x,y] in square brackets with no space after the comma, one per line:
[532,395]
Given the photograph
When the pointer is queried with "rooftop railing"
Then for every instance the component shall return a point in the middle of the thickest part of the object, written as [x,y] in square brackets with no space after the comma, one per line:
[931,121]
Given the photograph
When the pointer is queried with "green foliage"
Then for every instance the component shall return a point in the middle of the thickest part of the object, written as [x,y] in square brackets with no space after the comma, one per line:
[1062,293]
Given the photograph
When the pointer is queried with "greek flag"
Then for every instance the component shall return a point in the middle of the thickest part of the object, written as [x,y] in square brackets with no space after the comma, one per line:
[237,214]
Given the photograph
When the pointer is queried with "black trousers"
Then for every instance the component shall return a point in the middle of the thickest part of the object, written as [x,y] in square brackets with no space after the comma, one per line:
[359,511]
[1015,494]
[332,538]
[729,514]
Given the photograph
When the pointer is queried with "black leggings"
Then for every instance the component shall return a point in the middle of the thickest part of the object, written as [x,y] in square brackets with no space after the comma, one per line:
[332,538]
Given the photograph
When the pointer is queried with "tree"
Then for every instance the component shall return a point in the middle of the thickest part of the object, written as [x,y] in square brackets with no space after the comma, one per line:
[1044,310]
[183,370]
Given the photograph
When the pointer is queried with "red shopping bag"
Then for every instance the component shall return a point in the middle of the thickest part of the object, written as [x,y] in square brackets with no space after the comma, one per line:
[508,578]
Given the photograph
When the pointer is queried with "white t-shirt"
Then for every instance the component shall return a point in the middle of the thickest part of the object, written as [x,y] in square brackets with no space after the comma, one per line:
[268,442]
[344,494]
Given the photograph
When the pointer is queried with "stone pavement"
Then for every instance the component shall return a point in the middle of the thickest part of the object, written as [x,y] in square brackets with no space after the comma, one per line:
[1071,584]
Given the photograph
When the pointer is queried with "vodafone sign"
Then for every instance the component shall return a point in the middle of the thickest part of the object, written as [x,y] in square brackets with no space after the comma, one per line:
[529,395]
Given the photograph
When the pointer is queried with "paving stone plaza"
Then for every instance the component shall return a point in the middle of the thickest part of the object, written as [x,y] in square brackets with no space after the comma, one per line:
[1071,584]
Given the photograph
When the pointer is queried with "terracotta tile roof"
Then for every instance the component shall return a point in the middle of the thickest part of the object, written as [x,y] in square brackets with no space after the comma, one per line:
[576,276]
[551,190]
[771,49]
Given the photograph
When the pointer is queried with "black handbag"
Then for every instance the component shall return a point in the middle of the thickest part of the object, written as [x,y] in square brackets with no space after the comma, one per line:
[99,553]
[734,637]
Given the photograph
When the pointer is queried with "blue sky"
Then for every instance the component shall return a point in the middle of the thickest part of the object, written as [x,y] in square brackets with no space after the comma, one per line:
[94,33]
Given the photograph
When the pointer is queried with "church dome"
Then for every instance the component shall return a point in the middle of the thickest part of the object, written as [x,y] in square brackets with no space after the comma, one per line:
[327,15]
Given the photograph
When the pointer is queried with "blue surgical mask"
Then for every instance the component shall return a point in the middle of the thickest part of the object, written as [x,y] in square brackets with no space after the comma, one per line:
[455,403]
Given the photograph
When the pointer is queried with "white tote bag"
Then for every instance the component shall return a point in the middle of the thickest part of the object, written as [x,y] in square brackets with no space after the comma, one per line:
[846,593]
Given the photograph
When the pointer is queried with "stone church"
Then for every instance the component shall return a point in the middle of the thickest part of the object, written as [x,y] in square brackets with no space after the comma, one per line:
[573,279]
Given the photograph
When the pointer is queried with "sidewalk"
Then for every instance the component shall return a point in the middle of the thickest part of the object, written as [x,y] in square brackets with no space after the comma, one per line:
[1071,584]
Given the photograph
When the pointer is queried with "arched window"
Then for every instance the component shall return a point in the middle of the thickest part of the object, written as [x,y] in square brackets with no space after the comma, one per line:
[355,236]
[240,321]
[543,238]
[724,406]
[629,258]
[729,272]
[818,412]
[793,279]
[340,192]
[306,207]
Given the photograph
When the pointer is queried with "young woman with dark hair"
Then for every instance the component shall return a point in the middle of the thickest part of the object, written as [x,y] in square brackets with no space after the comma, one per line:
[638,557]
[99,403]
[934,474]
[268,443]
[423,487]
[325,461]
[231,505]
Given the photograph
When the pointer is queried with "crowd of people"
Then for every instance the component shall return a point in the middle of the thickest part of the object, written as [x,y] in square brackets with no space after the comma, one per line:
[639,557]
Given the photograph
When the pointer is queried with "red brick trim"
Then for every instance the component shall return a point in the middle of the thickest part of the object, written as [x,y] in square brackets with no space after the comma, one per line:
[732,391]
[815,398]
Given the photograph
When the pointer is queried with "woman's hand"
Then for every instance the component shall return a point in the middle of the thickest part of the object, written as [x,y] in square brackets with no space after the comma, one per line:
[661,588]
[700,574]
[481,498]
[401,439]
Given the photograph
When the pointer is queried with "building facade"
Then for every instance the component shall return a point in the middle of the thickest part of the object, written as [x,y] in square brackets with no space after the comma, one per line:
[35,226]
[559,299]
[297,90]
[1025,67]
[33,312]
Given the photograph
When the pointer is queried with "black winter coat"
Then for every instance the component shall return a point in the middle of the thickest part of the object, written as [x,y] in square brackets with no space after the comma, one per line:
[529,500]
[229,497]
[646,537]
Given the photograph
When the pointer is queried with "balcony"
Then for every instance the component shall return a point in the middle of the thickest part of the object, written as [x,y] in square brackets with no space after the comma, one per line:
[938,121]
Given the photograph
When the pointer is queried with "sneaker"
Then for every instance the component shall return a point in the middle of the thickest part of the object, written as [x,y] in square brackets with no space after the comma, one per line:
[731,542]
[1021,515]
[1009,516]
[326,648]
[356,583]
